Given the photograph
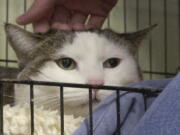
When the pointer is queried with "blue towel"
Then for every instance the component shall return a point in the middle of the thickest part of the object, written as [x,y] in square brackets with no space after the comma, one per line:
[163,117]
[132,110]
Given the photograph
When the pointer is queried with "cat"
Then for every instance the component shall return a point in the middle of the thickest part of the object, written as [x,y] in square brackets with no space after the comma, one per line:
[96,57]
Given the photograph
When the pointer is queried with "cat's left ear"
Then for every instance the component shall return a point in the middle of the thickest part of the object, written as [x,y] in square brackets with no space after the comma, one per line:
[131,40]
[135,38]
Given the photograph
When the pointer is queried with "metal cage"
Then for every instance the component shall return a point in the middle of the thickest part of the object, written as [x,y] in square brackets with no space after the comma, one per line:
[126,16]
[146,93]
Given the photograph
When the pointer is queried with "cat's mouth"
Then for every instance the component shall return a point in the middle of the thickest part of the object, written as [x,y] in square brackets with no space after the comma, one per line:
[93,103]
[94,96]
[96,101]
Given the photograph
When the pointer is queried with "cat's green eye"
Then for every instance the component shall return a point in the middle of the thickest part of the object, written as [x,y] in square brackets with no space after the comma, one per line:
[111,63]
[66,63]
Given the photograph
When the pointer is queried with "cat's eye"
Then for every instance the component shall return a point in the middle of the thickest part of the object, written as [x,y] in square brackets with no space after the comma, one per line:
[66,63]
[111,63]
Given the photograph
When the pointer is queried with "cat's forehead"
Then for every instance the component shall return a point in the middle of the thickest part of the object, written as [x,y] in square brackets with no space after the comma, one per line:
[91,44]
[81,44]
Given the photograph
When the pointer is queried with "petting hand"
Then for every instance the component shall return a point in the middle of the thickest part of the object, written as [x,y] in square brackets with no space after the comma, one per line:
[66,14]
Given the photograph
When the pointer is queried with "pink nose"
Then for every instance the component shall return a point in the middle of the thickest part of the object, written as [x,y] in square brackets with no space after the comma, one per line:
[95,82]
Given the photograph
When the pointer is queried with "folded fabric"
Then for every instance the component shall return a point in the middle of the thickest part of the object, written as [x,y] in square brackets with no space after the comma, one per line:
[163,117]
[132,108]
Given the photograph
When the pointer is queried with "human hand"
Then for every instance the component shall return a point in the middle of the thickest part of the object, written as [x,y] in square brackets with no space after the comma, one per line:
[66,14]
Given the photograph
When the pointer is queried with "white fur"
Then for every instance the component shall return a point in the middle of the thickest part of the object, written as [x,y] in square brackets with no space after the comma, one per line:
[89,50]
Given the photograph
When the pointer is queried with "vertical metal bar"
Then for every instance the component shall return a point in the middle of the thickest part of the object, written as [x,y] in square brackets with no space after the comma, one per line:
[150,39]
[118,112]
[62,109]
[125,23]
[25,5]
[145,101]
[7,20]
[90,112]
[32,108]
[1,109]
[165,36]
[25,8]
[137,23]
[137,14]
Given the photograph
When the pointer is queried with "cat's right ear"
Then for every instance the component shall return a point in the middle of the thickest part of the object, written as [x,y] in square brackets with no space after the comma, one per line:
[21,41]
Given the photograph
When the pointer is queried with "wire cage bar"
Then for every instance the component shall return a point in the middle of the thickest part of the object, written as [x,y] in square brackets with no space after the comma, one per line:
[62,109]
[144,91]
[32,107]
[90,112]
[118,132]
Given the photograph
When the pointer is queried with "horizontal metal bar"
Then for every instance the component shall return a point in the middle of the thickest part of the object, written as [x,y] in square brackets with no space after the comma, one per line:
[12,61]
[159,73]
[76,85]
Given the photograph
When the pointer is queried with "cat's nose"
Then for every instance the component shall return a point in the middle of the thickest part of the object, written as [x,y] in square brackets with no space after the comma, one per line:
[95,82]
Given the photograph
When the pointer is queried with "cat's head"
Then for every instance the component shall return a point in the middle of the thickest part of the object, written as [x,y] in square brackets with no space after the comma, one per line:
[99,57]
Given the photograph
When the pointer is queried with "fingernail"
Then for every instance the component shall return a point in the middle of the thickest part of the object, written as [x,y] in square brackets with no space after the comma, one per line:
[19,20]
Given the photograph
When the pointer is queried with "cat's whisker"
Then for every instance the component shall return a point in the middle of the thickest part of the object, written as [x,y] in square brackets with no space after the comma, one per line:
[45,97]
[69,95]
[48,101]
[11,104]
[45,103]
[9,96]
[18,98]
[55,107]
[22,99]
[50,78]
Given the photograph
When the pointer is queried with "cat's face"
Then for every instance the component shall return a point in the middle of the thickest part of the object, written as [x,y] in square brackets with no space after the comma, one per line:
[87,57]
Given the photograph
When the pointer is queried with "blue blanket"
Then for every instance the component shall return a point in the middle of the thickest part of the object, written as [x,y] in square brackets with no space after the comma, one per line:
[158,120]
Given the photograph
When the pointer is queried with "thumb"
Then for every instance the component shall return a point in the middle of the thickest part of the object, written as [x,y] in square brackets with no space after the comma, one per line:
[38,10]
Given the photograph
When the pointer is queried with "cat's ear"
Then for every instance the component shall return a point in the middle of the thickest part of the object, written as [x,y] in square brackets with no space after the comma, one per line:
[135,38]
[131,40]
[21,41]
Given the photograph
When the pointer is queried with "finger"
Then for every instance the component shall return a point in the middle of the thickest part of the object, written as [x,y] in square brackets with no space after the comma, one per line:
[61,26]
[61,14]
[41,26]
[38,10]
[61,18]
[96,7]
[95,22]
[78,21]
